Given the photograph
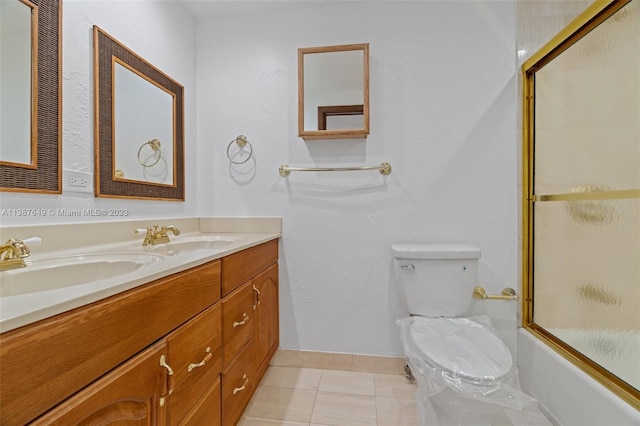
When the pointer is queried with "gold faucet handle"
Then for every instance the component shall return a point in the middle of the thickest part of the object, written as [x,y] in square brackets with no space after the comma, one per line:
[148,234]
[18,249]
[13,252]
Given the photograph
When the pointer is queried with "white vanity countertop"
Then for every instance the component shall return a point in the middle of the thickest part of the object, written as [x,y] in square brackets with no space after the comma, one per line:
[19,310]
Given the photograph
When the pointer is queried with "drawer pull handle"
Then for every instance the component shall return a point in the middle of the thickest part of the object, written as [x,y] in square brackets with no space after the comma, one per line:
[244,385]
[207,357]
[257,297]
[243,322]
[164,364]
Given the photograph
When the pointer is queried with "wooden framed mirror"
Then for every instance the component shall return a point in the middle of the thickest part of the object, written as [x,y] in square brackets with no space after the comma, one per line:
[30,83]
[333,92]
[139,125]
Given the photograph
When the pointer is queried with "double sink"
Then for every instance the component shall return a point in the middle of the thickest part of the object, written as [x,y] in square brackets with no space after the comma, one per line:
[51,273]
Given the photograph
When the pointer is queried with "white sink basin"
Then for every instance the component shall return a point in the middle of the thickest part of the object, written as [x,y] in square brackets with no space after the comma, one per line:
[60,272]
[198,242]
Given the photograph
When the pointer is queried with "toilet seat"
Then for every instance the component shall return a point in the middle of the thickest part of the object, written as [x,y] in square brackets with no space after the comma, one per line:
[462,348]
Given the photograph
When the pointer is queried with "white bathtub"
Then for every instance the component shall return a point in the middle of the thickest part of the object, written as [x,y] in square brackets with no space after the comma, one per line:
[567,395]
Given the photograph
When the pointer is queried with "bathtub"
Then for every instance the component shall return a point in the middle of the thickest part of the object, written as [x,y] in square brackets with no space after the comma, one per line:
[566,394]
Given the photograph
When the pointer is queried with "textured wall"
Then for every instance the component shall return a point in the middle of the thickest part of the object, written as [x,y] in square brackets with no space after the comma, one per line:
[161,32]
[443,113]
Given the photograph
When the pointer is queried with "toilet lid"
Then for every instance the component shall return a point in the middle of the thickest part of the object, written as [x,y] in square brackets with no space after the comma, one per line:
[462,347]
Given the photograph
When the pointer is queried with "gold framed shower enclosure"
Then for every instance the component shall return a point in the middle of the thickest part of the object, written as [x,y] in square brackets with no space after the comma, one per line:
[587,208]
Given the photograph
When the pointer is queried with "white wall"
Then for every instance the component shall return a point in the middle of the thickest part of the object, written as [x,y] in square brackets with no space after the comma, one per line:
[443,113]
[161,32]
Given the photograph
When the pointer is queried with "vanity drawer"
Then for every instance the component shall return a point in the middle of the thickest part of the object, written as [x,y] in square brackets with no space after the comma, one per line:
[208,410]
[237,321]
[238,381]
[194,352]
[240,267]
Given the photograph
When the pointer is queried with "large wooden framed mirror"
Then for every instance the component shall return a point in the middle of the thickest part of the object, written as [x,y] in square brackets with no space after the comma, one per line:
[333,92]
[30,104]
[139,125]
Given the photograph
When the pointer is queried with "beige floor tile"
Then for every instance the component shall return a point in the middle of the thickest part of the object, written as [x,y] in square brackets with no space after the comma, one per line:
[287,358]
[396,412]
[394,386]
[352,382]
[292,377]
[256,421]
[327,360]
[339,409]
[282,404]
[379,364]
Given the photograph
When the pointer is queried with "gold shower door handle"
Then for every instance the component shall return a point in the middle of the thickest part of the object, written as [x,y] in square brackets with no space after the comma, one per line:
[507,294]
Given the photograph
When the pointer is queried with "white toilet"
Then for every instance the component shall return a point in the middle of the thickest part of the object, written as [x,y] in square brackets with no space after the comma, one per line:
[465,372]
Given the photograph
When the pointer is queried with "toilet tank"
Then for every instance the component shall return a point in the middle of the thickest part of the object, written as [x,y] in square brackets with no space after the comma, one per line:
[435,280]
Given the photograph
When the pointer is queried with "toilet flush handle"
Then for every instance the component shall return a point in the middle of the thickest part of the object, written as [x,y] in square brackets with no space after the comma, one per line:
[409,267]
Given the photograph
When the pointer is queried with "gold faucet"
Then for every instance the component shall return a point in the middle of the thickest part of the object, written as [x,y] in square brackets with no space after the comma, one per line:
[12,254]
[153,235]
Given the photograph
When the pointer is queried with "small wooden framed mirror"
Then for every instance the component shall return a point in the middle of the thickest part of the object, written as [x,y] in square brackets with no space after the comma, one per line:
[139,125]
[333,92]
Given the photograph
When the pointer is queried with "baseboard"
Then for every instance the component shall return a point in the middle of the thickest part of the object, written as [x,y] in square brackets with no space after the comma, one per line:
[338,361]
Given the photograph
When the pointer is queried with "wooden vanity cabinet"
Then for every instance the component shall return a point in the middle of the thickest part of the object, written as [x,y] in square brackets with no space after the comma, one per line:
[101,363]
[141,391]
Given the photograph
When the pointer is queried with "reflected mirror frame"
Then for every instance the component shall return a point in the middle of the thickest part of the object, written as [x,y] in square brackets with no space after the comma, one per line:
[593,16]
[43,175]
[334,134]
[107,182]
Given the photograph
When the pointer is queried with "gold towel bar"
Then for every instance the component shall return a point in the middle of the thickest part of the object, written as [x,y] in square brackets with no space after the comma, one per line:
[384,168]
[507,294]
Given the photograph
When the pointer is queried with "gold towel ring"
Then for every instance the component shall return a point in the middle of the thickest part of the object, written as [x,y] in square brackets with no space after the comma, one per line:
[156,146]
[242,141]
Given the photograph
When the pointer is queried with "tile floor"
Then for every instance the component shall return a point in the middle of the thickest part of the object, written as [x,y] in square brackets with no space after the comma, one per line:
[295,396]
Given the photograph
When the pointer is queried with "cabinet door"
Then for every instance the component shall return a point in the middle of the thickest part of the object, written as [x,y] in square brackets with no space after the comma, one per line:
[127,396]
[266,335]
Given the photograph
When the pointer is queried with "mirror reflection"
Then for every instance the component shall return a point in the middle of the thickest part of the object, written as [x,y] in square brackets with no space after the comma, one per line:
[30,96]
[18,21]
[143,131]
[333,91]
[139,132]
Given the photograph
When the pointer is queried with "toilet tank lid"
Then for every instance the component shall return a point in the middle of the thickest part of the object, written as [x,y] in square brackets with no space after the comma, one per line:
[435,251]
